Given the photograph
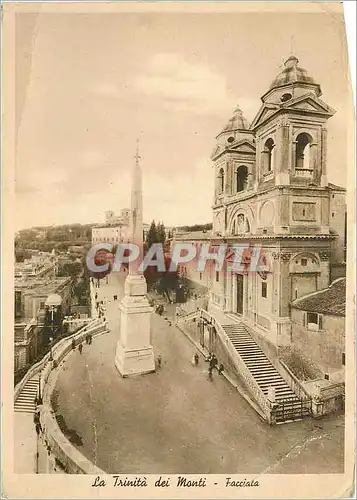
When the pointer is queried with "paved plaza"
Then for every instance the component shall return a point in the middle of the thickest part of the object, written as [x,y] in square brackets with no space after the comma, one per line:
[176,420]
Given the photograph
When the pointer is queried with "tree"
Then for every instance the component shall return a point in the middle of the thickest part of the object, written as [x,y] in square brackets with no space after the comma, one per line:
[161,233]
[152,236]
[73,269]
[21,254]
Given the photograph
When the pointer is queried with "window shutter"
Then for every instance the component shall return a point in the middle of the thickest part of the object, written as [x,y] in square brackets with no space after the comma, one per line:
[320,322]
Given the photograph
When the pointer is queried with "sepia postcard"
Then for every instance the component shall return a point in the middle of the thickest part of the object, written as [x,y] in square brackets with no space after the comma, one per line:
[178,250]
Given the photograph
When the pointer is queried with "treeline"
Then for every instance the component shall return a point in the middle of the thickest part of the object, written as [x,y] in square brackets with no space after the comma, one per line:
[46,238]
[196,227]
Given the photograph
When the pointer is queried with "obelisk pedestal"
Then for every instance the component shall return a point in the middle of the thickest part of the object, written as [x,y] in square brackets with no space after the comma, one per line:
[134,353]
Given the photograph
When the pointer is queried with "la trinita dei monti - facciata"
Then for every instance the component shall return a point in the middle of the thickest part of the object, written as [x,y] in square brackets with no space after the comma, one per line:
[272,190]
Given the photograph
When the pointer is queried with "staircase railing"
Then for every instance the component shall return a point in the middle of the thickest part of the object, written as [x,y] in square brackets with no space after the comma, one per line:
[293,382]
[240,366]
[187,317]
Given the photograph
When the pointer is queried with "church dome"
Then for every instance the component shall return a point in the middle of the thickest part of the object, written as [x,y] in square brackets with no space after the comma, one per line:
[292,73]
[237,122]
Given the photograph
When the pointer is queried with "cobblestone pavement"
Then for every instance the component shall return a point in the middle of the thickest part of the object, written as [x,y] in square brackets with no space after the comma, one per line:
[176,420]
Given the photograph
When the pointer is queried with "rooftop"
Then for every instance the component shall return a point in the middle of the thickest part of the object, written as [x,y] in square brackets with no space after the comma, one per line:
[42,286]
[194,235]
[332,300]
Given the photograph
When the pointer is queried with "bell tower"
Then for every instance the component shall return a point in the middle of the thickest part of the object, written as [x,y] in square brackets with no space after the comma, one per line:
[290,130]
[234,162]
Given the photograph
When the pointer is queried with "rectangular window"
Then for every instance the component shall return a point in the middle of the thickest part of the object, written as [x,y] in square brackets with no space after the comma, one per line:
[217,276]
[313,321]
[304,262]
[312,318]
[264,290]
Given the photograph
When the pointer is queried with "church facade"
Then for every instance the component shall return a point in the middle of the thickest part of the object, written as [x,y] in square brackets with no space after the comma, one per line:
[272,191]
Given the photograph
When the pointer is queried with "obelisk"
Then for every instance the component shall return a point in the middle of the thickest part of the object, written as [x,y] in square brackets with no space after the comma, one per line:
[135,354]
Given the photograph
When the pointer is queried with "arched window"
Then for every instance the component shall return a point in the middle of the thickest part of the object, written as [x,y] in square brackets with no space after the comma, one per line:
[269,155]
[303,142]
[241,225]
[221,181]
[242,177]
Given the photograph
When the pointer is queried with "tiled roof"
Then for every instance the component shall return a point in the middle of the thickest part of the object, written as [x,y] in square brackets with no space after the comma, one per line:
[332,300]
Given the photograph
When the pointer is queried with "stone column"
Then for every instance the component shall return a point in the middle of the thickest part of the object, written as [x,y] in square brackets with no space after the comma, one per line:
[323,181]
[313,161]
[282,177]
[250,176]
[284,284]
[227,177]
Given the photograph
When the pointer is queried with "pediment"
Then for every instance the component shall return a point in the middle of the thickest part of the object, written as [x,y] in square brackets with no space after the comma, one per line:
[309,103]
[243,146]
[216,151]
[266,111]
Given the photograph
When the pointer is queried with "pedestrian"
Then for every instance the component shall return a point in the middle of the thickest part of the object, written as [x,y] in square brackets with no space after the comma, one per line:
[159,359]
[220,369]
[210,373]
[196,358]
[73,344]
[90,338]
[80,347]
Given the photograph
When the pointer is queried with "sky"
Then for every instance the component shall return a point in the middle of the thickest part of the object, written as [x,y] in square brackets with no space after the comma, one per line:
[87,85]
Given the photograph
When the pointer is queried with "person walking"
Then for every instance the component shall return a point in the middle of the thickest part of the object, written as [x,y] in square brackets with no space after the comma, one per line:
[196,359]
[73,344]
[159,360]
[80,347]
[210,373]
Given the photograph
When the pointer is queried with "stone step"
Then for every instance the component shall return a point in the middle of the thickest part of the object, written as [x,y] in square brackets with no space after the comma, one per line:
[268,378]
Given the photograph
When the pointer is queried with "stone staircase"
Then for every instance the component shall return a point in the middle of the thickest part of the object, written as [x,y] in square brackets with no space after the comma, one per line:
[25,402]
[266,375]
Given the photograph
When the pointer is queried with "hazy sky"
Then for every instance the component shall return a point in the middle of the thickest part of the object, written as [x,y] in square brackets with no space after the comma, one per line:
[88,84]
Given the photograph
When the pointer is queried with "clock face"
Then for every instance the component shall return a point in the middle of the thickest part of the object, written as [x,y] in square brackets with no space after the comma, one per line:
[267,213]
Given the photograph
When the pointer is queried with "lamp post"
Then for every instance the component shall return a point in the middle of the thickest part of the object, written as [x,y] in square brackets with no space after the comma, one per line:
[51,340]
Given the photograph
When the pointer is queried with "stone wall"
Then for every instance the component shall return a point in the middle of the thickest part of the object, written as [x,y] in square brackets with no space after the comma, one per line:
[324,347]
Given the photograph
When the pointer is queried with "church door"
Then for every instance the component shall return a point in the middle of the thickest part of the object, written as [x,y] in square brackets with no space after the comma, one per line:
[239,302]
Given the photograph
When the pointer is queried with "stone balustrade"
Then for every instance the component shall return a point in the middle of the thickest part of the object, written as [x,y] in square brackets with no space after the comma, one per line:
[58,445]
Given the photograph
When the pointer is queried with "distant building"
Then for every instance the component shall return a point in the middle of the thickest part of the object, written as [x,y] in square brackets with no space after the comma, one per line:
[122,219]
[318,328]
[40,265]
[115,229]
